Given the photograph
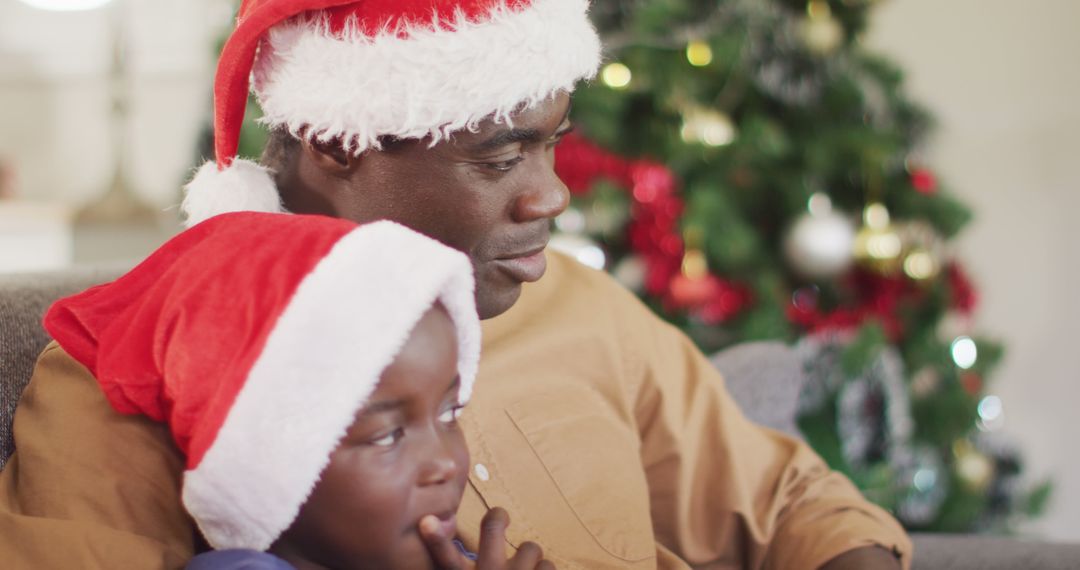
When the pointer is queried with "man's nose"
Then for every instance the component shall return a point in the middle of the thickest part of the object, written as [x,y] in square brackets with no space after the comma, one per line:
[546,198]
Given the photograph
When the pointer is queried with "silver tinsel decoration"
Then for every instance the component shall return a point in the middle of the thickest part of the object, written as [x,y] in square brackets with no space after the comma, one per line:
[925,482]
[873,412]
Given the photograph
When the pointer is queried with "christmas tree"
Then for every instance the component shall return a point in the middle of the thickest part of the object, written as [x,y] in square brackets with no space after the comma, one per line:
[753,172]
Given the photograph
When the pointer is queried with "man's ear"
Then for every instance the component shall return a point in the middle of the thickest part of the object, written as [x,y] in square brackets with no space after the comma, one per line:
[329,156]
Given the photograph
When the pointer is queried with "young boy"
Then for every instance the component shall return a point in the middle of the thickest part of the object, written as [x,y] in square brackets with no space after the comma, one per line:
[312,372]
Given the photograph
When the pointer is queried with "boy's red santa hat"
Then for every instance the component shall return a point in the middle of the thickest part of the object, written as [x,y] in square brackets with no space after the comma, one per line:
[257,338]
[353,71]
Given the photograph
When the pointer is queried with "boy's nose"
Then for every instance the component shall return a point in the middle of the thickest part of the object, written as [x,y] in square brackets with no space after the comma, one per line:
[440,466]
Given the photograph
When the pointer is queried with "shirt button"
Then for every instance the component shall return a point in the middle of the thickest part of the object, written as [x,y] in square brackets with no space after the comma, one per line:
[482,472]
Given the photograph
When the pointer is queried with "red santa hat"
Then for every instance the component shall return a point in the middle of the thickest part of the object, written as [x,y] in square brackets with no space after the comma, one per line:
[352,72]
[257,338]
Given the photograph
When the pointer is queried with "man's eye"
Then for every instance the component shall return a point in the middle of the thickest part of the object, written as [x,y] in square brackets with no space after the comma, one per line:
[389,439]
[451,415]
[506,165]
[558,138]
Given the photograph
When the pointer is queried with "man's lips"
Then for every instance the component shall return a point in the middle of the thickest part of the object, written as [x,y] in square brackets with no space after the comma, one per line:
[525,267]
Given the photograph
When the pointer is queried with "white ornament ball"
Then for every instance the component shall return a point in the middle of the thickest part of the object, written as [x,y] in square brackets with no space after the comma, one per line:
[581,248]
[631,273]
[820,246]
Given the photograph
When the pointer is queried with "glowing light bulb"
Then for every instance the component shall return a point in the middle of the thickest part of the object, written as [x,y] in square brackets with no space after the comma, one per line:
[698,53]
[964,352]
[616,76]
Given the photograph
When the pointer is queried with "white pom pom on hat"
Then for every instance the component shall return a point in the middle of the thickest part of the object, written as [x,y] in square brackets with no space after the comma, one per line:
[244,186]
[353,71]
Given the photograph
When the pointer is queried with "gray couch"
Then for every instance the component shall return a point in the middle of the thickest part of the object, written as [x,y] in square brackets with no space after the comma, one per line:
[763,378]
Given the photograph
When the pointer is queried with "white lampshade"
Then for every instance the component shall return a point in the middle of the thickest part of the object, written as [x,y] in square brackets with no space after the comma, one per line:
[65,5]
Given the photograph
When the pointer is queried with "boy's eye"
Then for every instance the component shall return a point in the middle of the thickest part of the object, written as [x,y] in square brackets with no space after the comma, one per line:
[451,415]
[389,439]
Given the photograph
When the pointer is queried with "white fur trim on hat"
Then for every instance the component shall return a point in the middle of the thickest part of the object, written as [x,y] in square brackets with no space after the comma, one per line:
[425,80]
[244,186]
[302,395]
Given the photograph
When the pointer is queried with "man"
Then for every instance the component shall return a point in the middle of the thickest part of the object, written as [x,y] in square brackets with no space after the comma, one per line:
[603,431]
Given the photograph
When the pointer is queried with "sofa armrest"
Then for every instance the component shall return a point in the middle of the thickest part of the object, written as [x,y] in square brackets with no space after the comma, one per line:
[975,552]
[24,299]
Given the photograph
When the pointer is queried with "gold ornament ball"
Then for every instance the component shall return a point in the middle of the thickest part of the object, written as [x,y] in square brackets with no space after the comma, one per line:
[975,469]
[708,127]
[820,32]
[878,246]
[923,250]
[920,264]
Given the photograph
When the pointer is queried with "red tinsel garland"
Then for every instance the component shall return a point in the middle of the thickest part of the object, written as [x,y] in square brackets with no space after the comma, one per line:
[878,298]
[653,232]
[654,235]
[964,298]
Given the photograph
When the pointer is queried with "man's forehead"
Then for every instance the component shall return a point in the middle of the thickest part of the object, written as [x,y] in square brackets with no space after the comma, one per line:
[525,125]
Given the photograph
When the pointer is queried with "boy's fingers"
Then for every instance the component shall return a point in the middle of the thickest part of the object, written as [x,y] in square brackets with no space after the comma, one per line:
[444,553]
[528,556]
[492,551]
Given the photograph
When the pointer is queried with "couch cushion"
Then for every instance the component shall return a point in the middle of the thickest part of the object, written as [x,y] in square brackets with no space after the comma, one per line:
[23,301]
[765,378]
[969,552]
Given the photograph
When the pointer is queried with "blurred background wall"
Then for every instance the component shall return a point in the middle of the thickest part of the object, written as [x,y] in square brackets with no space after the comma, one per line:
[1002,77]
[55,98]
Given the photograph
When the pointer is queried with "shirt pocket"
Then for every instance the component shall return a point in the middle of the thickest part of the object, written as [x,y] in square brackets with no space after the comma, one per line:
[593,459]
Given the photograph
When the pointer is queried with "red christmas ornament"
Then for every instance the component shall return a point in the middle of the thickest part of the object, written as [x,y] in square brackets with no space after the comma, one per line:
[688,292]
[875,298]
[964,296]
[728,301]
[924,181]
[972,383]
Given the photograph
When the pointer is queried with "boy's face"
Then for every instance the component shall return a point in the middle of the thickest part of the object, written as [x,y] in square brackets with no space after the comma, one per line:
[402,459]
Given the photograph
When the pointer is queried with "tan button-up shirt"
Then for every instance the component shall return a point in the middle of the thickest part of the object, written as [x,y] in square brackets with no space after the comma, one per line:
[607,436]
[612,442]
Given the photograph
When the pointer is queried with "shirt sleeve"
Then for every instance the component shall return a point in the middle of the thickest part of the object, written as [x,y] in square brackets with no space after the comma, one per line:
[89,487]
[237,559]
[725,491]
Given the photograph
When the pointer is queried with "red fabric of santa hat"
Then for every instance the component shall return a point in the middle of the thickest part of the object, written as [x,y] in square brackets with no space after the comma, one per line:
[349,71]
[257,338]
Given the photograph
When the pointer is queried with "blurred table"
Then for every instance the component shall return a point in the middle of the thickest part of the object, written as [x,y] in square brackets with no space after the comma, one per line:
[45,236]
[35,236]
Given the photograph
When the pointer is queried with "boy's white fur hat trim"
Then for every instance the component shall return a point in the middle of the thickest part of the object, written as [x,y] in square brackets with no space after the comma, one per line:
[274,429]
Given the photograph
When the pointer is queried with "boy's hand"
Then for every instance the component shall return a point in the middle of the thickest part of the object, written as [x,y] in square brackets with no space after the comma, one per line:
[492,551]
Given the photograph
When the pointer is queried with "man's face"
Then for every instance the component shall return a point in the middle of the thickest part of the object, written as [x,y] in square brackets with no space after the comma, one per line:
[403,458]
[490,193]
